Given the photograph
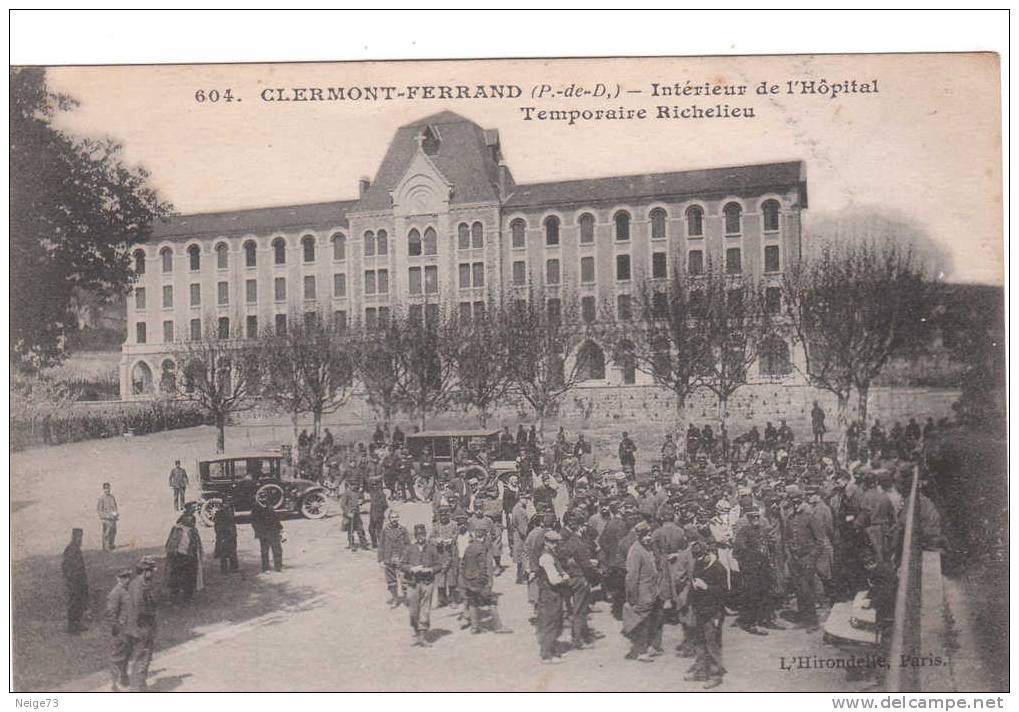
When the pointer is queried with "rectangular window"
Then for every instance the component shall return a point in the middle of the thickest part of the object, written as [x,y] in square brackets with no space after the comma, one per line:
[251,291]
[414,313]
[465,310]
[222,293]
[414,280]
[196,329]
[339,285]
[519,272]
[659,305]
[139,298]
[167,296]
[340,321]
[310,318]
[552,271]
[771,259]
[167,332]
[622,268]
[478,274]
[695,262]
[309,287]
[280,289]
[554,308]
[659,266]
[224,327]
[587,309]
[371,318]
[383,316]
[464,271]
[773,299]
[195,295]
[431,280]
[624,307]
[369,282]
[251,326]
[281,323]
[587,270]
[139,332]
[432,314]
[383,281]
[733,261]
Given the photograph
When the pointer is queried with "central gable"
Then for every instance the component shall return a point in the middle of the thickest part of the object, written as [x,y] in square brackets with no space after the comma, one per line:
[423,190]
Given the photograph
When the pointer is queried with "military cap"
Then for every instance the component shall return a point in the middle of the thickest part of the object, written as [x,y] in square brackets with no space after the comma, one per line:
[553,536]
[793,491]
[420,528]
[642,528]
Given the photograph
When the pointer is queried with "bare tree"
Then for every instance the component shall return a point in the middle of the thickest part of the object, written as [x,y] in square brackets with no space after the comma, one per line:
[546,361]
[376,353]
[481,354]
[425,374]
[219,373]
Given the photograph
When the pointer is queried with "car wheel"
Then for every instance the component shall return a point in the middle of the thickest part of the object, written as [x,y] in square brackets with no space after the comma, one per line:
[270,496]
[313,505]
[208,509]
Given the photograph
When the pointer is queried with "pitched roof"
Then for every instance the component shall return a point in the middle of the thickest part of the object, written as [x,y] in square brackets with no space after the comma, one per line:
[256,220]
[732,179]
[464,158]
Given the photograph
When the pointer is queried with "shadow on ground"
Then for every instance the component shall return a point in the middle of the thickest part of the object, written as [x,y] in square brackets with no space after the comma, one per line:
[45,656]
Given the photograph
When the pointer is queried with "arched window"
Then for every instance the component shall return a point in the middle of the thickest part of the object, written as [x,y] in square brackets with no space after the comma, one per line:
[774,357]
[694,221]
[250,253]
[414,243]
[627,361]
[168,378]
[166,258]
[590,362]
[586,228]
[430,242]
[622,221]
[552,230]
[222,256]
[194,258]
[308,248]
[141,379]
[279,251]
[339,246]
[139,261]
[658,224]
[477,235]
[770,215]
[369,244]
[517,233]
[463,236]
[382,243]
[733,218]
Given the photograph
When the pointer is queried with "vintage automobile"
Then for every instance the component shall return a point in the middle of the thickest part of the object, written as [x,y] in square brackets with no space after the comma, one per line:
[442,446]
[262,477]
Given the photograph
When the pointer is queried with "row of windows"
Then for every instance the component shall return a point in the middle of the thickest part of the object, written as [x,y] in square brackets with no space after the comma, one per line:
[250,291]
[732,212]
[223,326]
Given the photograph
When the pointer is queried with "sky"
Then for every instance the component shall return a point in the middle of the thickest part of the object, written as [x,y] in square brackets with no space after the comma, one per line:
[925,147]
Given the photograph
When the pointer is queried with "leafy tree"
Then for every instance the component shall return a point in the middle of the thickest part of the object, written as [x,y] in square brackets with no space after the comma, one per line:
[76,209]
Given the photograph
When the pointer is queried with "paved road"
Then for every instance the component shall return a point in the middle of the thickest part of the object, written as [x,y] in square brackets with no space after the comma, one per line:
[321,624]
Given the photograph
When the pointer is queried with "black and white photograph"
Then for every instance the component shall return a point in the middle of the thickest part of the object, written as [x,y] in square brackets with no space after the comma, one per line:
[660,374]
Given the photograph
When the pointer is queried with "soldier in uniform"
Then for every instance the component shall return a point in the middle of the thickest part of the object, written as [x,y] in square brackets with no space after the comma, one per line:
[476,581]
[642,615]
[753,551]
[444,537]
[350,506]
[139,629]
[803,547]
[116,610]
[393,546]
[75,581]
[106,507]
[179,485]
[707,598]
[376,511]
[551,581]
[519,526]
[613,561]
[577,559]
[420,563]
[627,453]
[225,526]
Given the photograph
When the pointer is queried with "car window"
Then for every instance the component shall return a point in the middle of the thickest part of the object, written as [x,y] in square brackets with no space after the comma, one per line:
[256,467]
[440,447]
[220,471]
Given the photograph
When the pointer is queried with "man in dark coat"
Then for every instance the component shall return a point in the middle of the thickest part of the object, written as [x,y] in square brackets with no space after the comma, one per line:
[627,452]
[117,605]
[350,506]
[476,581]
[139,622]
[376,510]
[225,526]
[707,599]
[642,615]
[183,559]
[551,582]
[269,532]
[393,545]
[76,582]
[752,548]
[420,564]
[575,557]
[613,562]
[817,423]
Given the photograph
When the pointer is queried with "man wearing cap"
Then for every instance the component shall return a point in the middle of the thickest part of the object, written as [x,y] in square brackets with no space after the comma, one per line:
[393,545]
[420,564]
[707,599]
[106,507]
[476,582]
[519,526]
[804,548]
[627,452]
[551,581]
[444,537]
[544,495]
[225,526]
[817,423]
[753,551]
[576,557]
[613,560]
[598,521]
[179,485]
[269,531]
[75,581]
[139,628]
[669,453]
[116,610]
[642,613]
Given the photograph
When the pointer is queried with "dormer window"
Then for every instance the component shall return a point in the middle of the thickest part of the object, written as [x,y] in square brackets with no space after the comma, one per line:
[429,138]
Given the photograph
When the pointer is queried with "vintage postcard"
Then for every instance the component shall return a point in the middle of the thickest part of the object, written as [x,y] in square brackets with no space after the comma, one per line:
[620,374]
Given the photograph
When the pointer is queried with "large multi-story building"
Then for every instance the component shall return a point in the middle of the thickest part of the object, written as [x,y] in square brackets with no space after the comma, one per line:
[444,222]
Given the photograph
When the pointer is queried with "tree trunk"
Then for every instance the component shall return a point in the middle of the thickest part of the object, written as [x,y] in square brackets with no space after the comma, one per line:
[421,418]
[296,452]
[723,410]
[841,422]
[317,423]
[540,412]
[483,418]
[220,433]
[863,395]
[680,418]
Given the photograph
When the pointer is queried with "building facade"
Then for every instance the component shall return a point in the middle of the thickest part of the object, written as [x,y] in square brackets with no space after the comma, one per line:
[444,222]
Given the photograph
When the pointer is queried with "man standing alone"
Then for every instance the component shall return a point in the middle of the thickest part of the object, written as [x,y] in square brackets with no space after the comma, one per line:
[817,423]
[106,507]
[420,563]
[73,567]
[179,485]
